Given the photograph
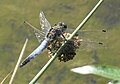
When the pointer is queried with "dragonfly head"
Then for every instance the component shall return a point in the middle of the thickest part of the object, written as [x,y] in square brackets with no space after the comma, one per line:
[62,25]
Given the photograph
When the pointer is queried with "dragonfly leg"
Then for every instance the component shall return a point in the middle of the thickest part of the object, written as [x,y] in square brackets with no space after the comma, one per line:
[64,37]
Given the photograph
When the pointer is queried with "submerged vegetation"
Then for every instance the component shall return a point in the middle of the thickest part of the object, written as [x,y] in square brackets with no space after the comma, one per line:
[13,33]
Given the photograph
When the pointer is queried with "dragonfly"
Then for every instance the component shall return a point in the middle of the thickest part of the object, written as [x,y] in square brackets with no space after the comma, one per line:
[50,35]
[46,36]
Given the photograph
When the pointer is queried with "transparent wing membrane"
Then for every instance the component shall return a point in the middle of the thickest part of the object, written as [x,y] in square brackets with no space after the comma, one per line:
[39,37]
[70,30]
[39,34]
[89,45]
[45,25]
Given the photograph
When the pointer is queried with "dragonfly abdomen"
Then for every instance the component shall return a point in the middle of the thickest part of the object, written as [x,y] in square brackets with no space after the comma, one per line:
[37,51]
[40,48]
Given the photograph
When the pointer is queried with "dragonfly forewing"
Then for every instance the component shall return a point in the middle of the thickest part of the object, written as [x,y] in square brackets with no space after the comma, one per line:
[45,25]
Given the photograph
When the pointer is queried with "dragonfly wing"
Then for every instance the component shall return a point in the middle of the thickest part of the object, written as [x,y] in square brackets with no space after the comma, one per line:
[39,37]
[39,34]
[45,25]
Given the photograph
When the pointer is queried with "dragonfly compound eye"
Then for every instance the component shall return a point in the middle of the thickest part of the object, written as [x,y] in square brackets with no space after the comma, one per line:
[62,24]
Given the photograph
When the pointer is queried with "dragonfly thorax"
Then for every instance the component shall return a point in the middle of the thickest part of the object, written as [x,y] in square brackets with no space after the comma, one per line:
[56,31]
[54,34]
